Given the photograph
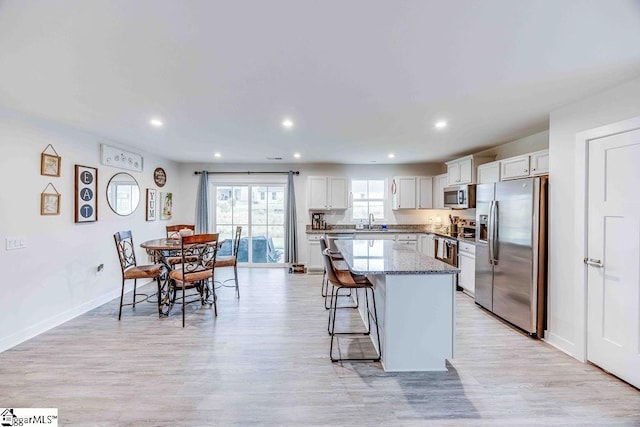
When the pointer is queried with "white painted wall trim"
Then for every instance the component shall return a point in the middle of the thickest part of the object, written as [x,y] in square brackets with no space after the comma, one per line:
[583,139]
[32,331]
[560,343]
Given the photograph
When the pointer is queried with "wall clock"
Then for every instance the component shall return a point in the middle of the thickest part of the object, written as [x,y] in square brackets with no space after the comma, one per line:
[160,177]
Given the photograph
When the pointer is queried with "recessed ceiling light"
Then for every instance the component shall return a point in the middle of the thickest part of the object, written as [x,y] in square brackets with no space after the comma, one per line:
[297,155]
[391,155]
[156,123]
[217,155]
[287,123]
[441,124]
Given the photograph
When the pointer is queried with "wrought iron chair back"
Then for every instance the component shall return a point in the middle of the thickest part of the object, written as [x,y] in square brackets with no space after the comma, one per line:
[198,253]
[126,250]
[132,271]
[236,242]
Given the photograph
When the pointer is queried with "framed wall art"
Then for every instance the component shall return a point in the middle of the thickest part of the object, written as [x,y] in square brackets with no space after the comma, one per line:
[151,204]
[119,158]
[50,162]
[86,194]
[159,177]
[166,205]
[50,202]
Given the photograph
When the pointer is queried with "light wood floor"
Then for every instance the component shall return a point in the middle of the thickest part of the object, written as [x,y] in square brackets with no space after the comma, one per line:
[264,361]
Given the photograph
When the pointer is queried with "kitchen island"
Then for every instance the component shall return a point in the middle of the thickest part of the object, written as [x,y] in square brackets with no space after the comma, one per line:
[415,296]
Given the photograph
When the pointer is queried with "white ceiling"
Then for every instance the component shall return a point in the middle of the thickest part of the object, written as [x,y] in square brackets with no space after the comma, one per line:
[359,78]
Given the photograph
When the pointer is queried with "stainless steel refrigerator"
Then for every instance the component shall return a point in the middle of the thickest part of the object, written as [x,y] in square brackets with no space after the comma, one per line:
[511,251]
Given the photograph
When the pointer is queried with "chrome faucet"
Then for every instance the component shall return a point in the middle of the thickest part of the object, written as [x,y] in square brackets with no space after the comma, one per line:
[371,219]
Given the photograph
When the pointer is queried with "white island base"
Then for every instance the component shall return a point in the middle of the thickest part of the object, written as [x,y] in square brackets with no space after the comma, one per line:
[415,299]
[416,318]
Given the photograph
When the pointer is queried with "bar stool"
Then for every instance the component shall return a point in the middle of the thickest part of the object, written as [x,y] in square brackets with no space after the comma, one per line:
[325,283]
[343,279]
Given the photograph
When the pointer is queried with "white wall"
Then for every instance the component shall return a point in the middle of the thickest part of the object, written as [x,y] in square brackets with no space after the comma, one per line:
[53,279]
[529,144]
[567,311]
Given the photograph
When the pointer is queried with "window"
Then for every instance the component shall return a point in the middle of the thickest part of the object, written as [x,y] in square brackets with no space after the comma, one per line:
[368,198]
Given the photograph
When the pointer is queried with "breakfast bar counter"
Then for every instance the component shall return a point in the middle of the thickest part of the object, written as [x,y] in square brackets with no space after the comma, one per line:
[415,296]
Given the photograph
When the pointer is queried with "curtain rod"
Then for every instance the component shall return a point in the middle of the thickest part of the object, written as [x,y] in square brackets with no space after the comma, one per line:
[247,173]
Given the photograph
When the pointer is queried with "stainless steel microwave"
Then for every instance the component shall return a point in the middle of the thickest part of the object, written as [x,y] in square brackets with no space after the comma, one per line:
[460,197]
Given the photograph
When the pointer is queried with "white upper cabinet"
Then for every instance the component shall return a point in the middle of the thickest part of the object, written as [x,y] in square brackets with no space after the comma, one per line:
[327,193]
[412,192]
[462,171]
[337,193]
[488,173]
[439,184]
[515,167]
[523,166]
[540,162]
[403,192]
[425,192]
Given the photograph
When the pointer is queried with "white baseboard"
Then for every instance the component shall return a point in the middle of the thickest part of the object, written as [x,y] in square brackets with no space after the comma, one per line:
[58,319]
[561,344]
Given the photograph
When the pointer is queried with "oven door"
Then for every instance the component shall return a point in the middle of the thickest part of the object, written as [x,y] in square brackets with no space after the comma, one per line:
[449,251]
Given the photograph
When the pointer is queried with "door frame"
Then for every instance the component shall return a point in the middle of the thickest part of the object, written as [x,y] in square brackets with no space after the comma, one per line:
[583,139]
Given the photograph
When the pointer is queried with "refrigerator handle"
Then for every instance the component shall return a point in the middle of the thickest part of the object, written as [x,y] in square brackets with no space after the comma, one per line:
[490,234]
[494,235]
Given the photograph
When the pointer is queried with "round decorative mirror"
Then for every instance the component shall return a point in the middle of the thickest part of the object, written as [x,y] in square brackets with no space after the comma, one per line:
[123,194]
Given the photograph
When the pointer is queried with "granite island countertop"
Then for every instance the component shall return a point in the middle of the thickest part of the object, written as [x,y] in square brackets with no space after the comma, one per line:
[402,229]
[388,257]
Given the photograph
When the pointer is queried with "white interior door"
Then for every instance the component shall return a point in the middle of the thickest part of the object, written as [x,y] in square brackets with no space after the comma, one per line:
[613,262]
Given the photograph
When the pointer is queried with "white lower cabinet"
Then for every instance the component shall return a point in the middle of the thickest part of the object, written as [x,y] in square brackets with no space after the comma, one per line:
[467,266]
[426,245]
[314,263]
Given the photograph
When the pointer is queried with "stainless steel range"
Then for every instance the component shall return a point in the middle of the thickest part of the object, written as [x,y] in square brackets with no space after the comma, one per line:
[447,250]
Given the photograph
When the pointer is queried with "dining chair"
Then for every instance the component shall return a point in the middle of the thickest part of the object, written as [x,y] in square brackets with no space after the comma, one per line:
[198,253]
[176,232]
[341,278]
[232,260]
[132,271]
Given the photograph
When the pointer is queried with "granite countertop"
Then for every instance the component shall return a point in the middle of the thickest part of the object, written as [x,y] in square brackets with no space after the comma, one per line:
[389,257]
[352,230]
[406,229]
